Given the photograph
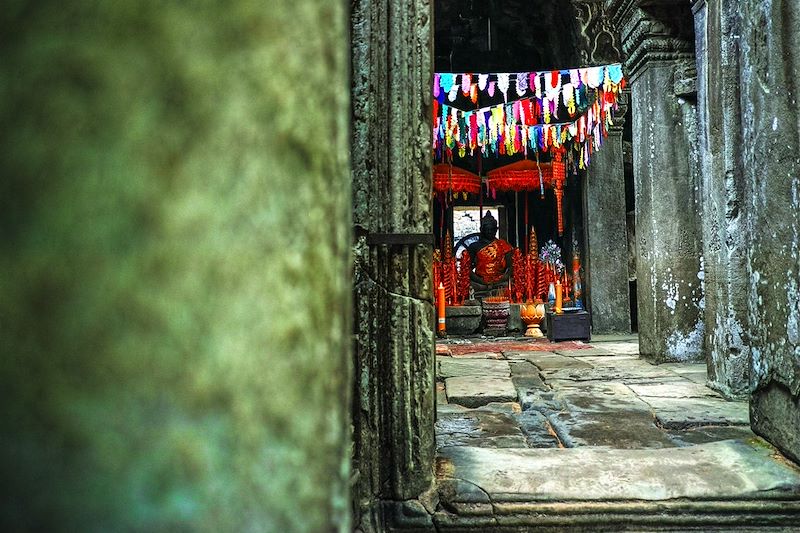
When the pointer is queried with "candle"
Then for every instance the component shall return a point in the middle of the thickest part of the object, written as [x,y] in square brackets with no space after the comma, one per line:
[558,297]
[440,307]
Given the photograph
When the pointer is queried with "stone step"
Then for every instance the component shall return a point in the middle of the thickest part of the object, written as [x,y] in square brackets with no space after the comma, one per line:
[733,483]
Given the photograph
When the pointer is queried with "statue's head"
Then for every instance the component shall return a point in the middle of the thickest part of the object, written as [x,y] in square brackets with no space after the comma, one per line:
[488,226]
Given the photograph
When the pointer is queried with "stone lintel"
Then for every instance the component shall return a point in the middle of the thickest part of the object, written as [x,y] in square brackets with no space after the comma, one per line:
[646,38]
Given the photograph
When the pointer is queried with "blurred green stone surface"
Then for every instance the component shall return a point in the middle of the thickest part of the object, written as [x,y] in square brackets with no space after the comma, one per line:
[175,306]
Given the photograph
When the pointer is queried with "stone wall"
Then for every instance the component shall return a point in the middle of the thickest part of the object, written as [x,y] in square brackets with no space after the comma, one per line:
[770,61]
[175,267]
[393,325]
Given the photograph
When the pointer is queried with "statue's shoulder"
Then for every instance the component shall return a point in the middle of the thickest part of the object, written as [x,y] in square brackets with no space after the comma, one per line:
[504,246]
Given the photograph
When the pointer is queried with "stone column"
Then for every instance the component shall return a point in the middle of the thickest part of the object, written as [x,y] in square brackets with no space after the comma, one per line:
[770,61]
[607,234]
[658,46]
[723,191]
[175,300]
[394,315]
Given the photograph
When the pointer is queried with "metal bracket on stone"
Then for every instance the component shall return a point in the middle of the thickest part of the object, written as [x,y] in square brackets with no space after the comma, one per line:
[399,239]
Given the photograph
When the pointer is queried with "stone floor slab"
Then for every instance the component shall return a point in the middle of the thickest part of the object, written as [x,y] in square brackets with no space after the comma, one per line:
[479,427]
[605,414]
[623,374]
[675,389]
[586,352]
[523,369]
[556,361]
[685,368]
[619,348]
[599,361]
[479,355]
[441,395]
[679,413]
[725,470]
[525,354]
[622,429]
[453,367]
[697,377]
[475,391]
[704,435]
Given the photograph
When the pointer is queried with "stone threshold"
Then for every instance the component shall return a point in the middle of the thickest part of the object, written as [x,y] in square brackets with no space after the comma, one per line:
[725,485]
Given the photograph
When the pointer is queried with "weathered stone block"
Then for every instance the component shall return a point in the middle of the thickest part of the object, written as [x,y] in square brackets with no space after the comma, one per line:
[463,320]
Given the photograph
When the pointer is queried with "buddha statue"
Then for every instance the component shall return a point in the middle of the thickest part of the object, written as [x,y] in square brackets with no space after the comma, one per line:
[491,259]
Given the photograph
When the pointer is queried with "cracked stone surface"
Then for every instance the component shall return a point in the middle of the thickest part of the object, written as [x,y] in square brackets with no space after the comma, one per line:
[519,427]
[726,469]
[601,395]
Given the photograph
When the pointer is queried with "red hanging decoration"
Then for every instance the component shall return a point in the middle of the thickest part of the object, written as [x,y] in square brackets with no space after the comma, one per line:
[541,280]
[437,270]
[520,176]
[559,177]
[449,178]
[449,271]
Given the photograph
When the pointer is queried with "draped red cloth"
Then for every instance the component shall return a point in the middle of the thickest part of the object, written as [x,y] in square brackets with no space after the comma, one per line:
[520,176]
[450,178]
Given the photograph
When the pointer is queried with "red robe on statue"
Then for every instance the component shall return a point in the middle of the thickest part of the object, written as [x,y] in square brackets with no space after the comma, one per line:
[490,262]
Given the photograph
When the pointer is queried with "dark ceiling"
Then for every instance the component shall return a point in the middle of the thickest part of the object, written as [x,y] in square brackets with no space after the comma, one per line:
[525,35]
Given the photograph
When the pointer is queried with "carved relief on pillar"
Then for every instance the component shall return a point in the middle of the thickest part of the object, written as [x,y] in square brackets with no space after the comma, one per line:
[599,40]
[659,30]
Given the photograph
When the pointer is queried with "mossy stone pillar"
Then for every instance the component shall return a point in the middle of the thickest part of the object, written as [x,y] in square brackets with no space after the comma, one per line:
[175,301]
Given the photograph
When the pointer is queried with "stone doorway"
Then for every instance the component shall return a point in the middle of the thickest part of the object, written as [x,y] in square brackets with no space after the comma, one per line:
[395,366]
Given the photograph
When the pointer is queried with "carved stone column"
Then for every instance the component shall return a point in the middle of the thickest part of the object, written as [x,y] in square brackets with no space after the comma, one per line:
[658,46]
[607,234]
[770,61]
[394,340]
[723,191]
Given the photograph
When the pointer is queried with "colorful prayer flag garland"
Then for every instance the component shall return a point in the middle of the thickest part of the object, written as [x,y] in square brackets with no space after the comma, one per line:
[514,127]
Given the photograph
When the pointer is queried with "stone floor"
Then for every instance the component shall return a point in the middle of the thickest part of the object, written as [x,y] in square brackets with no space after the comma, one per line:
[532,421]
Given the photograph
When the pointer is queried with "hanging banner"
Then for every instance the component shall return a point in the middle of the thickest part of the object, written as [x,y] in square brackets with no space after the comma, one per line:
[530,123]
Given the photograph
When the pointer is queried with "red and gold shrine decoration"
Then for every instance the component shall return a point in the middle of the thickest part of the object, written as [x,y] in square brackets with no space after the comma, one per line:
[559,170]
[451,274]
[447,178]
[533,287]
[525,175]
[449,271]
[518,281]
